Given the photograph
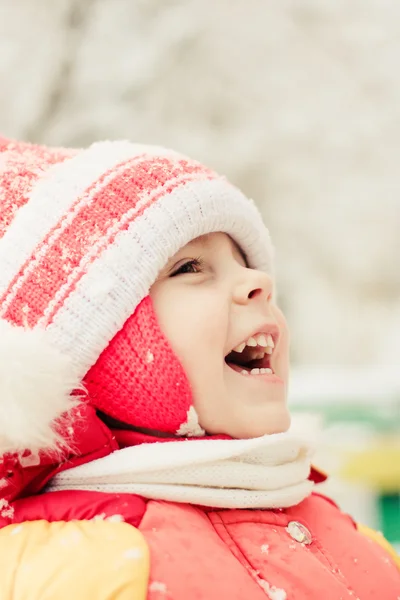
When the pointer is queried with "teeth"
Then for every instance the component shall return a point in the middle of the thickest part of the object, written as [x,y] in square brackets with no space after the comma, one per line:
[262,340]
[258,355]
[240,348]
[257,372]
[260,372]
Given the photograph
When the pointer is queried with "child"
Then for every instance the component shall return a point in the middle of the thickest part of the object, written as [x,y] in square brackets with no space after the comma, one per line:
[144,439]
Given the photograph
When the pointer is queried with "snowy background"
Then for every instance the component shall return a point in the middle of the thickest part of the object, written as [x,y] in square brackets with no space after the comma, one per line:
[298,103]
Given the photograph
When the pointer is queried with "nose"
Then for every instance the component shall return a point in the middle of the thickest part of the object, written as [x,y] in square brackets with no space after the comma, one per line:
[253,285]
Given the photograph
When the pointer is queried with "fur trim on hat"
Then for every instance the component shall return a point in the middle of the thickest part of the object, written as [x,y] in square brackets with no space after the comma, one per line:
[36,381]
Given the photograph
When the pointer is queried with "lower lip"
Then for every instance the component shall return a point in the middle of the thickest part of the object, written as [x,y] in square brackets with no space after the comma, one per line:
[265,377]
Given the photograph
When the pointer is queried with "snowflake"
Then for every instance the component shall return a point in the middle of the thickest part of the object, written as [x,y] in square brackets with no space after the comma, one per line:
[6,511]
[191,427]
[115,519]
[111,518]
[133,553]
[272,592]
[16,530]
[158,586]
[29,459]
[99,517]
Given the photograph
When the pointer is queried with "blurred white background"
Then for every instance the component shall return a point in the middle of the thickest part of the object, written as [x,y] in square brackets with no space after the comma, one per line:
[296,101]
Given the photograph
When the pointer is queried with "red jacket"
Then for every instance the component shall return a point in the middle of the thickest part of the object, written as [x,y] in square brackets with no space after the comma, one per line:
[181,551]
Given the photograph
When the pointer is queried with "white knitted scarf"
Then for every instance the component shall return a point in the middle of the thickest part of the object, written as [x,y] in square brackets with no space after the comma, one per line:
[267,472]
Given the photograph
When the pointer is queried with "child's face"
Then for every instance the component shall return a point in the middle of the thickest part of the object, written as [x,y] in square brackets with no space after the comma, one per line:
[208,302]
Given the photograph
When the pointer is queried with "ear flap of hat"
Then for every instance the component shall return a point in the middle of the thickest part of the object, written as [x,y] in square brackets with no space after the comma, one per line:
[36,382]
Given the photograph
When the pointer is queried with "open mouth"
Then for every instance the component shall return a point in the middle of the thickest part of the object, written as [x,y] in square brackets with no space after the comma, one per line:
[252,357]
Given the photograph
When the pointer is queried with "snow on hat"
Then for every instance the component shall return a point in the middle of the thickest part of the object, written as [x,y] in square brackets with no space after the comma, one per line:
[83,236]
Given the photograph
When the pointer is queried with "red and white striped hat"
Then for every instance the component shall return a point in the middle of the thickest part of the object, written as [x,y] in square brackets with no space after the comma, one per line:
[83,236]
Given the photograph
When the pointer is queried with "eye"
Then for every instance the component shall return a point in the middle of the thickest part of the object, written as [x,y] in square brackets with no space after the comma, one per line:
[194,265]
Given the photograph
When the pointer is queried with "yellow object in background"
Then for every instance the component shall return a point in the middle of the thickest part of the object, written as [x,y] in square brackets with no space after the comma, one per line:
[377,467]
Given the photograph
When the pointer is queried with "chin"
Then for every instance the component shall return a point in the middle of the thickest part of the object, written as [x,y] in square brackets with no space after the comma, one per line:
[259,427]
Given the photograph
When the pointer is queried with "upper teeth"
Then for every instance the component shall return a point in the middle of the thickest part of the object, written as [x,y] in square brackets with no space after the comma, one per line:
[265,341]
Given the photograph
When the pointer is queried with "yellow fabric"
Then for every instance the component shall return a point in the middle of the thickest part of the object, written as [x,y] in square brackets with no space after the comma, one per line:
[80,559]
[379,539]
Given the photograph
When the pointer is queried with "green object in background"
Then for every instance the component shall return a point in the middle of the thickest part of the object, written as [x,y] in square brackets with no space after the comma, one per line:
[389,511]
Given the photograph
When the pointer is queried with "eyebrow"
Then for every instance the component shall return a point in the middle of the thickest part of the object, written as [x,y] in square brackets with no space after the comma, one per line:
[203,240]
[236,249]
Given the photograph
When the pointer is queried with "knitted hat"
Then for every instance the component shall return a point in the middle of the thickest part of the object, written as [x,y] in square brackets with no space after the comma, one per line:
[83,236]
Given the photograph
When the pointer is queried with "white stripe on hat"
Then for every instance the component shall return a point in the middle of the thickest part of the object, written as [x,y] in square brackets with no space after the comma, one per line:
[52,197]
[115,283]
[104,240]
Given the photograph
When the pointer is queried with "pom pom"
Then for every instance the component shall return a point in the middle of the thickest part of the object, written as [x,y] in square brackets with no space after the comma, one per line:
[36,382]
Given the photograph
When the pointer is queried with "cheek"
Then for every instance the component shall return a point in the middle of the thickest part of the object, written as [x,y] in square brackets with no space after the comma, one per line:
[191,322]
[174,319]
